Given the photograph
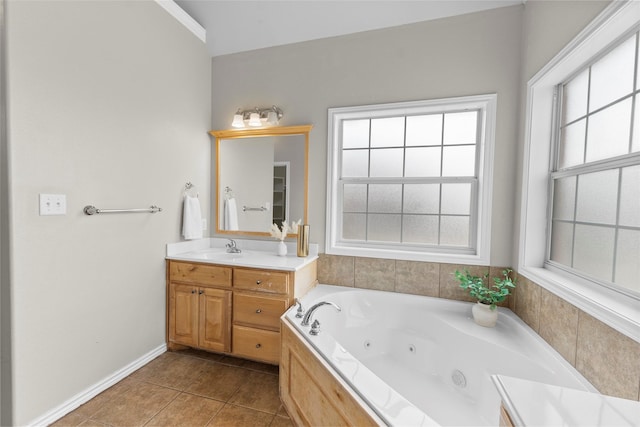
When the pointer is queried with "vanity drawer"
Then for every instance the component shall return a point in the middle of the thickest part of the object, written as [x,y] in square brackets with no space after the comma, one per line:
[256,344]
[261,311]
[201,274]
[264,281]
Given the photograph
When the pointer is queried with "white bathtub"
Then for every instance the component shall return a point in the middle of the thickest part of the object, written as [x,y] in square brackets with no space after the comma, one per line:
[423,361]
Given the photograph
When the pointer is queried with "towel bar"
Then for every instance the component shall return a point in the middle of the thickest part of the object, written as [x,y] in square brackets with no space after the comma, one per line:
[260,209]
[92,210]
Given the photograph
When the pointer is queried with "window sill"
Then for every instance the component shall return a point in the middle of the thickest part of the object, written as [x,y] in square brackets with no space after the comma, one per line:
[406,255]
[615,309]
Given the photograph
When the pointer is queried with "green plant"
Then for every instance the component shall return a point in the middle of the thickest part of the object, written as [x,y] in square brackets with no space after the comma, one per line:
[490,295]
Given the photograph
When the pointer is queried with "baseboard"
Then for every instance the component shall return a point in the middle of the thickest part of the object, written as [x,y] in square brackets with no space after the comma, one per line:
[88,394]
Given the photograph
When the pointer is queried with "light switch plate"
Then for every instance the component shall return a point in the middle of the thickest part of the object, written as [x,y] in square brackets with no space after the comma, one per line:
[53,204]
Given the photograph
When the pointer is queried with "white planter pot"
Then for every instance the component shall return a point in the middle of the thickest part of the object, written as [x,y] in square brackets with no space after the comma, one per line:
[484,316]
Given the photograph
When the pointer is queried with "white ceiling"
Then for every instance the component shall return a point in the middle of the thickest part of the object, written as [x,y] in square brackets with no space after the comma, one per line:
[240,25]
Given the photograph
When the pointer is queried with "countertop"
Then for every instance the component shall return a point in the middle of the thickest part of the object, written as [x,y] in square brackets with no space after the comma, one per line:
[255,253]
[531,403]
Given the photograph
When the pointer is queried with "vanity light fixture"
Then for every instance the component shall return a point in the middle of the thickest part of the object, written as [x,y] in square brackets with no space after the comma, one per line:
[257,117]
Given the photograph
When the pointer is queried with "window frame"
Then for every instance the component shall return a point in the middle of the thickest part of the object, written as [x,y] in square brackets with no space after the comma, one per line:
[617,309]
[481,227]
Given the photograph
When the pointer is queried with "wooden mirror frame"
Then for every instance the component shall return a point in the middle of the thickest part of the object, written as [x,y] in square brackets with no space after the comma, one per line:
[219,135]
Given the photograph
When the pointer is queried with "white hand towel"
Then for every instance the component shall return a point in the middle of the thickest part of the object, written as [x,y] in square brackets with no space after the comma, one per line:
[191,218]
[230,214]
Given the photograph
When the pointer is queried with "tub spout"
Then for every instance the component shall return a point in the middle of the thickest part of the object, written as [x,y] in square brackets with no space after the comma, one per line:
[307,316]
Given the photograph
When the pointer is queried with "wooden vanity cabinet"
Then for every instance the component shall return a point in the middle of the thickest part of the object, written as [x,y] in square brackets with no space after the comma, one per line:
[199,313]
[233,310]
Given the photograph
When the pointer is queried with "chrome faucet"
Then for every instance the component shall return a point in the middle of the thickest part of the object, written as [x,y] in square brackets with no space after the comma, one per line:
[307,316]
[232,248]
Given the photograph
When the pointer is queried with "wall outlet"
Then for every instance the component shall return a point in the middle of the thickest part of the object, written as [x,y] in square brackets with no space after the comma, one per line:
[53,204]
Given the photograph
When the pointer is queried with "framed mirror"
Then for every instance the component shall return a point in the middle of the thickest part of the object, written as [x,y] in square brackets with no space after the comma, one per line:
[261,178]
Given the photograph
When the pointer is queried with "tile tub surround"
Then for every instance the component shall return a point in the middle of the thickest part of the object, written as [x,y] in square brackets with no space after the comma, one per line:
[607,358]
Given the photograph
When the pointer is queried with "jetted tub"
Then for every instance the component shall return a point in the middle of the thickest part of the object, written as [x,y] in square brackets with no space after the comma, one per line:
[417,360]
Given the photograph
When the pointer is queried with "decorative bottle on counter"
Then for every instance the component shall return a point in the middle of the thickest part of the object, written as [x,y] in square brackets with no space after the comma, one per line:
[282,248]
[303,240]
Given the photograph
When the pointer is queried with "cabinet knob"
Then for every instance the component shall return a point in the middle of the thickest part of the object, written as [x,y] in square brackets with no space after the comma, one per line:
[258,311]
[258,282]
[193,291]
[258,345]
[201,292]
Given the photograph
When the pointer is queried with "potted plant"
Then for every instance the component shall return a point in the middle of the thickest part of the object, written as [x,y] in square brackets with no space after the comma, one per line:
[485,312]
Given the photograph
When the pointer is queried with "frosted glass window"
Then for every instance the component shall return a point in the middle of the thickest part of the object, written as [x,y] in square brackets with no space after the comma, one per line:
[355,134]
[354,198]
[608,134]
[456,199]
[597,197]
[424,161]
[564,196]
[355,163]
[630,197]
[460,128]
[612,76]
[383,228]
[385,198]
[407,179]
[572,144]
[424,130]
[454,230]
[627,272]
[593,251]
[575,97]
[387,132]
[386,162]
[459,161]
[420,229]
[354,226]
[422,198]
[562,242]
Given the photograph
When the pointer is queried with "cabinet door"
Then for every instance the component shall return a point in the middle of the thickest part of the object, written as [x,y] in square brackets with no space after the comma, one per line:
[183,314]
[215,319]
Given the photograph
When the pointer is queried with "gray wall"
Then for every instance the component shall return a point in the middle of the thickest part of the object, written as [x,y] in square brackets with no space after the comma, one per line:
[109,103]
[5,318]
[466,55]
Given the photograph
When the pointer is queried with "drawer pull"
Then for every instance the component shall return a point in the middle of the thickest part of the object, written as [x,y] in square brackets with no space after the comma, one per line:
[258,345]
[258,282]
[258,311]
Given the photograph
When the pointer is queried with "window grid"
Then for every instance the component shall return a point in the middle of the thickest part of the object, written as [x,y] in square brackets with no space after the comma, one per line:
[403,181]
[616,163]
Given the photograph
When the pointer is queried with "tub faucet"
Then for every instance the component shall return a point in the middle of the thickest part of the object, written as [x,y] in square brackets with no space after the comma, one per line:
[232,248]
[307,316]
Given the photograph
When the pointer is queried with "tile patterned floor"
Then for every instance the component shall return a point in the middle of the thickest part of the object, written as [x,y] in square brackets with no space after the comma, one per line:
[188,388]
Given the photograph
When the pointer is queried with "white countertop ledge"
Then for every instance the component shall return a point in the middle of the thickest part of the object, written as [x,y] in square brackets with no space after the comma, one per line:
[530,403]
[255,253]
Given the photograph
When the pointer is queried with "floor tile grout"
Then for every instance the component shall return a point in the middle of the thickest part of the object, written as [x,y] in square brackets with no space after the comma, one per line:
[161,371]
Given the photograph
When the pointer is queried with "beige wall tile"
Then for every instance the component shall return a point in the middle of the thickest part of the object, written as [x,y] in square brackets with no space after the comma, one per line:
[527,305]
[419,278]
[559,324]
[373,273]
[608,359]
[336,270]
[450,286]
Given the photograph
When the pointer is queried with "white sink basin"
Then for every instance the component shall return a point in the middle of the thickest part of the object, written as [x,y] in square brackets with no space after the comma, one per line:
[216,254]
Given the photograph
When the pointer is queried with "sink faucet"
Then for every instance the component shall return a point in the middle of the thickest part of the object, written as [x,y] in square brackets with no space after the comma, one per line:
[232,248]
[307,317]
